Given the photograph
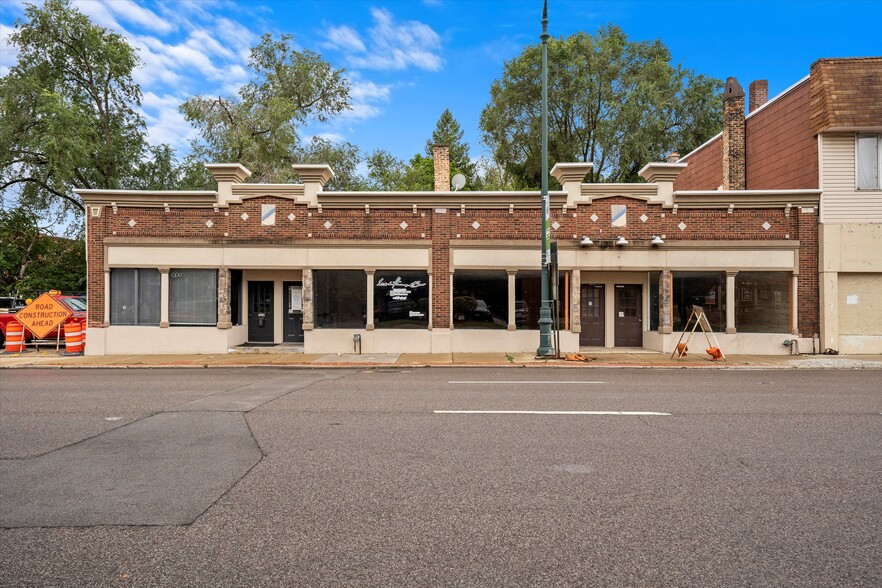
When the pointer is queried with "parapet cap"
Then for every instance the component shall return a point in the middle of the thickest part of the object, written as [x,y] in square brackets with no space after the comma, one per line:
[228,172]
[661,171]
[314,173]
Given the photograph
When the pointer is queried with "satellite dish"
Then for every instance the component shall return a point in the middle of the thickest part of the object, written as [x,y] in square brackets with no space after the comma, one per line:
[458,182]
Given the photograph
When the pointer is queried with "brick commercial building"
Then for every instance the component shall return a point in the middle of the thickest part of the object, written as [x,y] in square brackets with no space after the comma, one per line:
[442,271]
[824,133]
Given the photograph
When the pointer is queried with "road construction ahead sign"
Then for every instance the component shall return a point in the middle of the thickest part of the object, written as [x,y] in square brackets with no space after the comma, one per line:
[42,315]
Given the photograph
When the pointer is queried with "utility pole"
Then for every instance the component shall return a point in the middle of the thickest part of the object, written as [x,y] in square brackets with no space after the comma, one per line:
[546,348]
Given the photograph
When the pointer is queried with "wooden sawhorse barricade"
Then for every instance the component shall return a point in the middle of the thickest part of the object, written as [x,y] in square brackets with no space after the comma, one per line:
[700,319]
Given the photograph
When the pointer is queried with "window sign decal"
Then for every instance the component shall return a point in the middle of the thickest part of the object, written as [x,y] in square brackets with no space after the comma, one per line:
[268,214]
[401,299]
[619,215]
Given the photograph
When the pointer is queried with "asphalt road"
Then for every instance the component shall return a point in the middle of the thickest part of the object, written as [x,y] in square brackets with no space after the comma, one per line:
[590,477]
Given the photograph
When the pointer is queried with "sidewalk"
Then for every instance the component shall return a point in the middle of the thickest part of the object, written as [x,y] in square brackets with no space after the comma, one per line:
[50,359]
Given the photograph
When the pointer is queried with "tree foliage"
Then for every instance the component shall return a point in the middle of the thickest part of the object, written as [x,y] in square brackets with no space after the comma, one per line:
[448,132]
[32,262]
[260,126]
[613,101]
[67,109]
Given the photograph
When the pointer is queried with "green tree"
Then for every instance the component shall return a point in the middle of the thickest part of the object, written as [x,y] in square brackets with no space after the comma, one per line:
[613,101]
[32,261]
[68,110]
[448,132]
[260,126]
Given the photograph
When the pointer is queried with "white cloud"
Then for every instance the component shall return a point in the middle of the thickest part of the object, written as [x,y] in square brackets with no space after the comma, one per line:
[368,91]
[130,12]
[359,111]
[332,137]
[164,123]
[345,39]
[8,53]
[391,45]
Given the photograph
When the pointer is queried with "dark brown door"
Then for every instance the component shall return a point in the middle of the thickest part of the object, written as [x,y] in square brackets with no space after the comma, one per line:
[629,315]
[292,325]
[592,316]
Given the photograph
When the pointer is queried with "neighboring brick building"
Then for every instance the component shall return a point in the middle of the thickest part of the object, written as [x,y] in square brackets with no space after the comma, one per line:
[824,132]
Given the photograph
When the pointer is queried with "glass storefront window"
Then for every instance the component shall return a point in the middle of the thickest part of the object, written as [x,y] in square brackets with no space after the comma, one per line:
[480,299]
[762,302]
[134,296]
[705,289]
[654,299]
[340,299]
[401,300]
[528,298]
[192,297]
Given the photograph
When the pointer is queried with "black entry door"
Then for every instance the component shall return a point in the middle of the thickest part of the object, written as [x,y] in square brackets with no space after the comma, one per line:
[292,324]
[592,315]
[629,315]
[260,312]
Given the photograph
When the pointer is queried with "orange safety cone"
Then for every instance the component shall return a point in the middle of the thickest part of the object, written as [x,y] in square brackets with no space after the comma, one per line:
[14,337]
[73,338]
[83,336]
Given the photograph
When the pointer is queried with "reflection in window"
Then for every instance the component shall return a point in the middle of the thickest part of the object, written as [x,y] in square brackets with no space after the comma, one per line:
[654,300]
[340,299]
[192,297]
[401,300]
[134,296]
[762,302]
[869,160]
[480,299]
[705,289]
[528,298]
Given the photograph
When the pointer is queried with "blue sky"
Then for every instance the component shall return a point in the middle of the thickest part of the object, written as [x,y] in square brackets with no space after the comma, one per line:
[409,60]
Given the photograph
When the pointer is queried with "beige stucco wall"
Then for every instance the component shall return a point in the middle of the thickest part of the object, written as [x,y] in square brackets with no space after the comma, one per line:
[125,340]
[355,256]
[860,304]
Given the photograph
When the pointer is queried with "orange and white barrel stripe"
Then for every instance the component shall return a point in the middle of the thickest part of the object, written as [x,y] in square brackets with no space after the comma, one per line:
[14,337]
[73,338]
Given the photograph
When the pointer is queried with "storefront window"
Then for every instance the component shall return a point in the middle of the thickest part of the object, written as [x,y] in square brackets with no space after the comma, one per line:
[134,296]
[480,299]
[705,289]
[236,297]
[340,299]
[528,298]
[401,300]
[654,299]
[762,302]
[192,297]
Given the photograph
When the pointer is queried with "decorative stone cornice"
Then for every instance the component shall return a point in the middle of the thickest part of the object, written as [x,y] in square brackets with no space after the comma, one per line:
[145,199]
[746,198]
[235,173]
[659,171]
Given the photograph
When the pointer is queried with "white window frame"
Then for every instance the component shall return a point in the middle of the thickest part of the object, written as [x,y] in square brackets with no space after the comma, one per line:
[857,161]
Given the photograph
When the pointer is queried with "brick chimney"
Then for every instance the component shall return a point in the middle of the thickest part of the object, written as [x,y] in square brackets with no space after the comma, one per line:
[441,155]
[758,94]
[734,164]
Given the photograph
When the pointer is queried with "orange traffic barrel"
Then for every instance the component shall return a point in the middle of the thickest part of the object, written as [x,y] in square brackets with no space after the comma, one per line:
[73,338]
[14,337]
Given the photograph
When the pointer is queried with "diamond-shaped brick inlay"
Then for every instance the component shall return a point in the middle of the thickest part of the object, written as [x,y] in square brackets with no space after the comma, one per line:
[327,224]
[594,218]
[403,225]
[643,218]
[767,226]
[291,216]
[244,216]
[132,223]
[555,225]
[209,224]
[681,226]
[475,225]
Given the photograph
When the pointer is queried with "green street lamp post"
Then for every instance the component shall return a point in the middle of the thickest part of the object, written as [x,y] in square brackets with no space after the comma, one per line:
[546,348]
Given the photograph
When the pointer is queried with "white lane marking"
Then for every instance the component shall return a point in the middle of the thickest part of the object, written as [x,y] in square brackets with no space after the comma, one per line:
[112,418]
[576,412]
[543,382]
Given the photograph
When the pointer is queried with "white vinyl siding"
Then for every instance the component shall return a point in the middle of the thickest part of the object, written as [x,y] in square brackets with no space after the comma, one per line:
[842,201]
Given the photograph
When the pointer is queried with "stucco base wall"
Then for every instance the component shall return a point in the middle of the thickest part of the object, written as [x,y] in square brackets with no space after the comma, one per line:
[125,340]
[735,344]
[376,341]
[860,344]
